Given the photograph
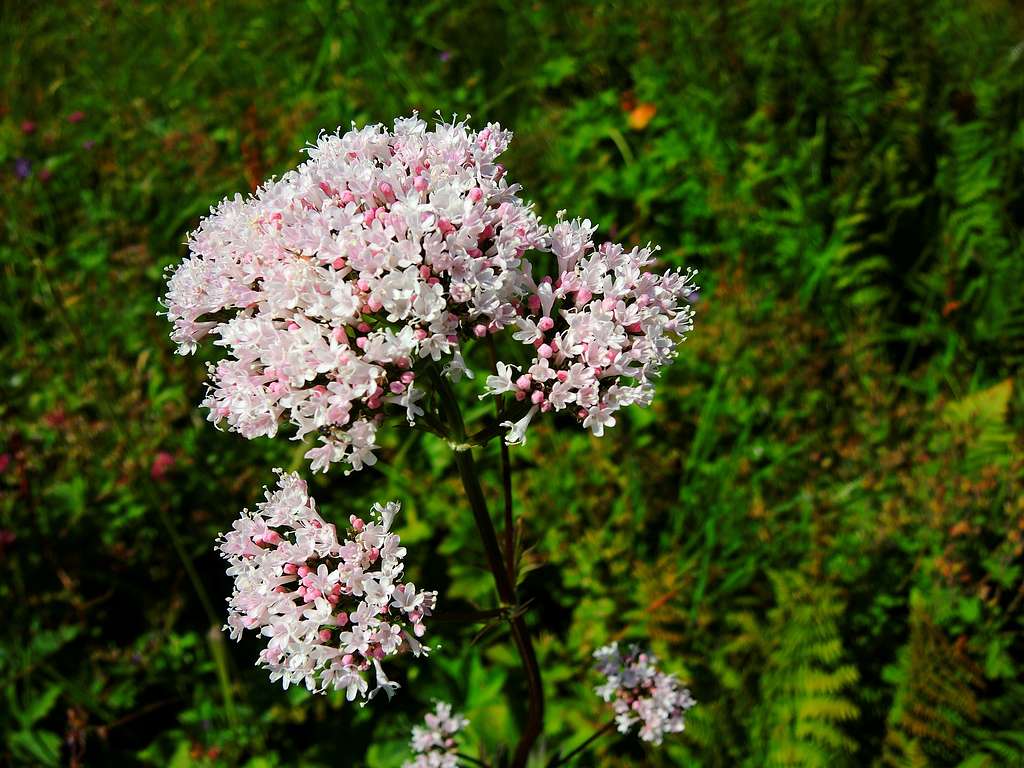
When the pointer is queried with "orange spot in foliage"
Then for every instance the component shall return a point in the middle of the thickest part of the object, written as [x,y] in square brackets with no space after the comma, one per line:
[661,601]
[960,529]
[950,308]
[641,115]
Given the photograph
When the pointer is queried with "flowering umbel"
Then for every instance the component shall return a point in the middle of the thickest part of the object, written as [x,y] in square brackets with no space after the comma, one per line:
[334,287]
[601,329]
[434,742]
[640,693]
[330,608]
[383,249]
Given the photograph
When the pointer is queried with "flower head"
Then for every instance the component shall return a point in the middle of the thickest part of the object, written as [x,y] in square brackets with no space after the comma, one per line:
[333,288]
[333,285]
[434,742]
[601,330]
[331,608]
[640,694]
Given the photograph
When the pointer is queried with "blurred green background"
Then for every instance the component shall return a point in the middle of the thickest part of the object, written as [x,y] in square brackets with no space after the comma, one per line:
[818,524]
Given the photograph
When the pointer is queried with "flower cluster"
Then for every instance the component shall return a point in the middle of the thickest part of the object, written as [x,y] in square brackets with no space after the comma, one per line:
[330,608]
[601,330]
[330,283]
[434,742]
[640,693]
[334,287]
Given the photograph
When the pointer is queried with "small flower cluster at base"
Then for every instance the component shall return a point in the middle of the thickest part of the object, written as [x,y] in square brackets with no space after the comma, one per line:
[640,693]
[434,742]
[330,608]
[602,329]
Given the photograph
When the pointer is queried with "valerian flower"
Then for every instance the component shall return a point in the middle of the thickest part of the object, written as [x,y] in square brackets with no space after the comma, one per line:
[336,286]
[331,608]
[601,330]
[330,285]
[434,742]
[640,694]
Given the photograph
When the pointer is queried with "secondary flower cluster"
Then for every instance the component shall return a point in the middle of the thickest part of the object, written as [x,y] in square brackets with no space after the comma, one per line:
[640,693]
[601,330]
[332,288]
[329,284]
[434,742]
[330,608]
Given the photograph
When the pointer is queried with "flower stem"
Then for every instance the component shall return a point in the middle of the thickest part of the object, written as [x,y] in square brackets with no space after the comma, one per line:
[506,591]
[503,581]
[506,474]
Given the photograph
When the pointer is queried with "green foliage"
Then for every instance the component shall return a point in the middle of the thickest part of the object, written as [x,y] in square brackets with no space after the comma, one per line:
[818,523]
[804,683]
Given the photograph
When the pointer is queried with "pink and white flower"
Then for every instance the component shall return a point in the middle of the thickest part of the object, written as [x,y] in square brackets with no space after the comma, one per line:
[330,608]
[641,694]
[434,742]
[335,287]
[601,328]
[331,283]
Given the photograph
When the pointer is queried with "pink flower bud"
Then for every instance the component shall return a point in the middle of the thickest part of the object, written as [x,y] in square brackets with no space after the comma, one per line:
[325,635]
[397,387]
[420,184]
[338,263]
[544,350]
[408,377]
[342,620]
[546,324]
[476,194]
[525,381]
[537,397]
[347,197]
[480,330]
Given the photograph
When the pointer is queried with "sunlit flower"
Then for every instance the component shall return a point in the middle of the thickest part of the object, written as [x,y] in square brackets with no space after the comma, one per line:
[330,285]
[330,608]
[601,329]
